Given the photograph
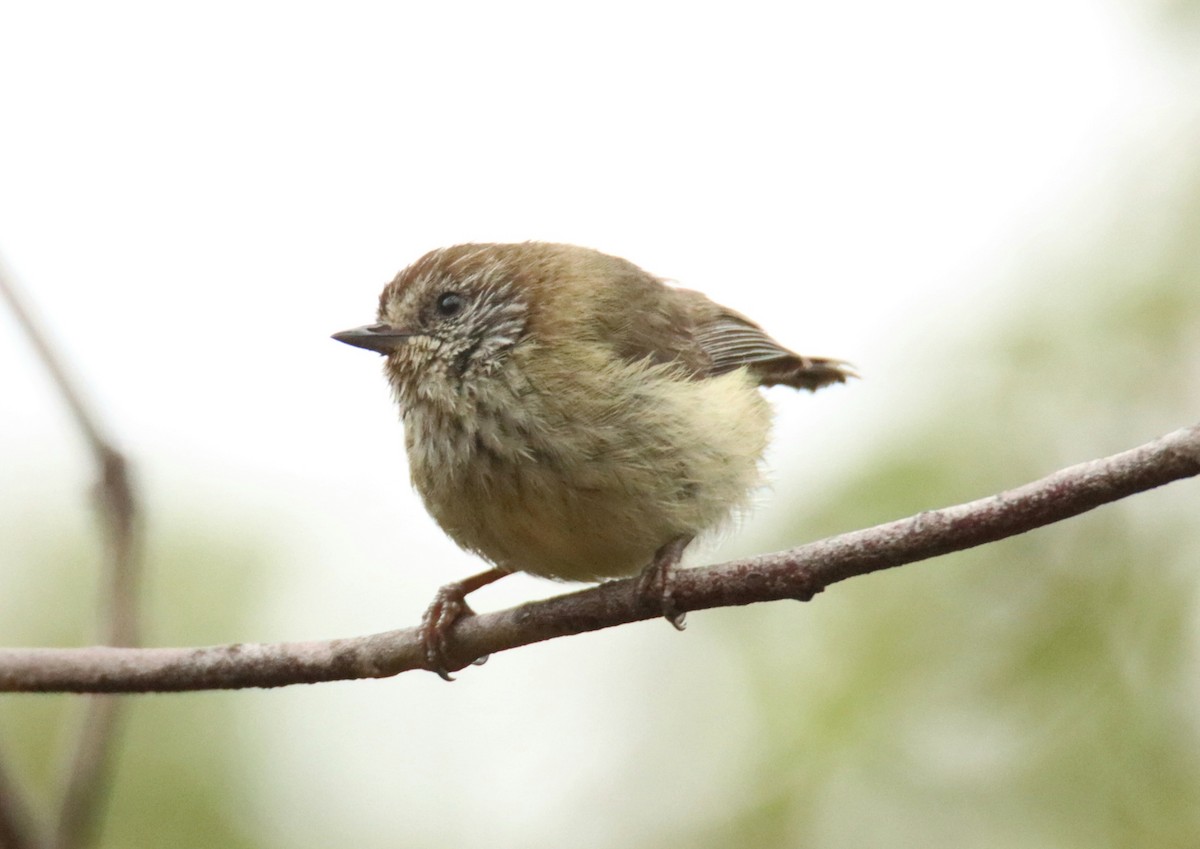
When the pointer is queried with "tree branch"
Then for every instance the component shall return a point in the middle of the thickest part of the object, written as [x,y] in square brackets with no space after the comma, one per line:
[91,755]
[799,573]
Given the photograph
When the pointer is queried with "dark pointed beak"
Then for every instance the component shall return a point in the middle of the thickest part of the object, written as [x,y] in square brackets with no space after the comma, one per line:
[382,338]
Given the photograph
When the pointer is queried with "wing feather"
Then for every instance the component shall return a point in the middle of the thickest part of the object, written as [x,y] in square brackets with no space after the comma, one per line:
[732,341]
[644,319]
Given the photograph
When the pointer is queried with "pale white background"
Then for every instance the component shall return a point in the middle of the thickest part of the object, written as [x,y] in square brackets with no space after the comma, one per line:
[196,197]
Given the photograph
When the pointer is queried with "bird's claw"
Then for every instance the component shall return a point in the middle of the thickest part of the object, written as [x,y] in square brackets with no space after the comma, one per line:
[657,584]
[447,607]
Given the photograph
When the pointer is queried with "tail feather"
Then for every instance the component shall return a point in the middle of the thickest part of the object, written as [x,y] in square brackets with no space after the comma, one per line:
[801,372]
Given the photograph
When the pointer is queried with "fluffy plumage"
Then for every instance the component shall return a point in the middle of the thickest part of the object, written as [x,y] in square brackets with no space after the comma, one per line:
[567,414]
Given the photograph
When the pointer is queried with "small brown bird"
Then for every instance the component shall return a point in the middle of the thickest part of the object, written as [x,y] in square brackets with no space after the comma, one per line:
[568,415]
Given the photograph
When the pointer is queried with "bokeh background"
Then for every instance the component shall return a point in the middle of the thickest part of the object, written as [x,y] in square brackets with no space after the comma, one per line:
[992,209]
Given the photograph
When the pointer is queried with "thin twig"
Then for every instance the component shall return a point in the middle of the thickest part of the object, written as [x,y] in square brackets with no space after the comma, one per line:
[799,573]
[91,757]
[89,772]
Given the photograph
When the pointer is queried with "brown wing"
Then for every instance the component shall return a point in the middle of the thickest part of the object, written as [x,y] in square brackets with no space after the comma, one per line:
[644,319]
[732,341]
[641,318]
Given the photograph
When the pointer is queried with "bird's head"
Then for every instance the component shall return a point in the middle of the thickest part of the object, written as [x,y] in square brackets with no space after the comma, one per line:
[448,319]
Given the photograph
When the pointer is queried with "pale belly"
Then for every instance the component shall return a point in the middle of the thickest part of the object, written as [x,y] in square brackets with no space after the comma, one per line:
[587,501]
[548,528]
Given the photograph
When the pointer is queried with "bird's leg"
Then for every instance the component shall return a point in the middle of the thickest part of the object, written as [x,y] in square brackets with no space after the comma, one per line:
[448,606]
[657,584]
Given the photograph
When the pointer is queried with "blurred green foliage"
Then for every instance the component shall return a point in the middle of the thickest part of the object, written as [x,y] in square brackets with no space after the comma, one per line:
[176,755]
[1041,691]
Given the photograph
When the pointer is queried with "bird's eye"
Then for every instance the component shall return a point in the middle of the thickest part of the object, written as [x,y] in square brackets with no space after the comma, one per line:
[450,303]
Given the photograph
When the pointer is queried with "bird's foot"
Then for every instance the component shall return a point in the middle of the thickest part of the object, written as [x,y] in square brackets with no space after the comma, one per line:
[657,584]
[449,605]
